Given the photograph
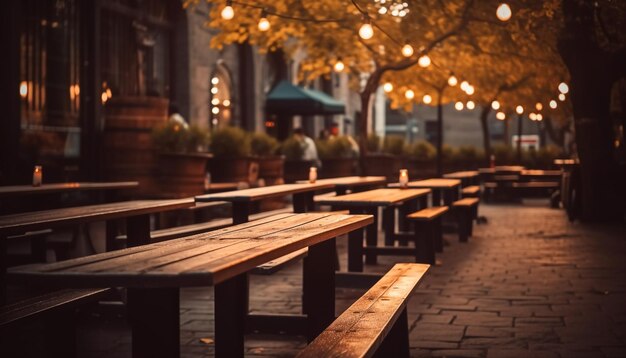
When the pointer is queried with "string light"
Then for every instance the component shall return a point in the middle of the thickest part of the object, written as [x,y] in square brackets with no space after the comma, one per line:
[470,90]
[495,105]
[427,99]
[366,31]
[470,105]
[458,106]
[227,12]
[388,87]
[424,61]
[339,65]
[409,94]
[539,106]
[464,85]
[503,12]
[519,110]
[407,50]
[532,116]
[452,81]
[553,104]
[215,80]
[264,24]
[563,88]
[561,97]
[539,117]
[501,116]
[23,89]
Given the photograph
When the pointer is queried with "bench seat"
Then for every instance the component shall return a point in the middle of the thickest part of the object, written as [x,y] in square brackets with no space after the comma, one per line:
[376,323]
[428,232]
[467,211]
[472,191]
[428,214]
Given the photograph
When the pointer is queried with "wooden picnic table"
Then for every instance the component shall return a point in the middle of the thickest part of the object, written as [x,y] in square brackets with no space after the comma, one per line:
[242,199]
[535,174]
[448,189]
[468,177]
[353,183]
[136,212]
[21,190]
[368,202]
[155,273]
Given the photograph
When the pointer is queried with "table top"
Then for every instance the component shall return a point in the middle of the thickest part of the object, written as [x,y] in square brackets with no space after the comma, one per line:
[199,260]
[265,192]
[501,168]
[537,172]
[376,197]
[353,181]
[22,222]
[436,183]
[462,175]
[14,190]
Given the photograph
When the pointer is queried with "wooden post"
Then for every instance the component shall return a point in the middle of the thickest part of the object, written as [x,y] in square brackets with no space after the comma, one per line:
[371,238]
[241,212]
[138,230]
[231,309]
[319,287]
[355,246]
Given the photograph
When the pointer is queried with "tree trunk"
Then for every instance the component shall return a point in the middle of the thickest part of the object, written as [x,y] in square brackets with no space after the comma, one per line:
[520,124]
[484,114]
[439,135]
[556,135]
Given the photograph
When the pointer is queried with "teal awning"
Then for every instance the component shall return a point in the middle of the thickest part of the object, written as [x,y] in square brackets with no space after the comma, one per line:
[288,99]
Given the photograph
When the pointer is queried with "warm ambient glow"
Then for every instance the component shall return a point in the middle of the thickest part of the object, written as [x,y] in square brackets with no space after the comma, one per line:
[424,61]
[501,116]
[388,87]
[519,109]
[407,50]
[409,94]
[563,88]
[264,24]
[228,12]
[503,12]
[470,90]
[452,81]
[458,106]
[470,105]
[539,106]
[553,104]
[366,31]
[427,99]
[495,105]
[339,66]
[561,97]
[23,89]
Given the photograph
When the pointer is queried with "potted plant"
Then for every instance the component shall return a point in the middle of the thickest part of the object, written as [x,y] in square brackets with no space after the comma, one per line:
[420,158]
[182,159]
[387,160]
[231,162]
[337,155]
[271,165]
[295,167]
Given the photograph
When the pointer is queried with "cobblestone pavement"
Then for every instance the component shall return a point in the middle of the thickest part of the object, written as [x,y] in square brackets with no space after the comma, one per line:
[528,284]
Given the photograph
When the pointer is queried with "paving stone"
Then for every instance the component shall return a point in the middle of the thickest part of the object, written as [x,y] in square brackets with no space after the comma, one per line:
[470,353]
[432,344]
[476,331]
[437,332]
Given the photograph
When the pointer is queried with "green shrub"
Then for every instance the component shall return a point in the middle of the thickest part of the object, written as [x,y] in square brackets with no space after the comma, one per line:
[469,154]
[373,143]
[262,144]
[394,145]
[448,153]
[292,149]
[173,138]
[334,147]
[421,150]
[504,154]
[230,142]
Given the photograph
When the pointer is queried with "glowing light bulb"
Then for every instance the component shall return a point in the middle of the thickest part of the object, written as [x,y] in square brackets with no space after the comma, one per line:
[339,66]
[495,105]
[407,50]
[563,88]
[215,80]
[388,87]
[424,61]
[226,103]
[464,85]
[366,31]
[519,109]
[539,106]
[470,90]
[553,104]
[215,101]
[215,110]
[452,81]
[228,12]
[501,116]
[23,89]
[561,97]
[470,105]
[458,106]
[409,94]
[427,99]
[532,116]
[539,117]
[503,12]
[264,24]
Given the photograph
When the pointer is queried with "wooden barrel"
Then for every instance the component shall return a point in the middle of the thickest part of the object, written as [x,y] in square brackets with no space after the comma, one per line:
[127,145]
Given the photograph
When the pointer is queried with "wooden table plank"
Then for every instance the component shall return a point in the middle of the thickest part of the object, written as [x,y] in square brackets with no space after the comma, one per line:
[17,190]
[461,175]
[255,194]
[376,197]
[350,182]
[435,183]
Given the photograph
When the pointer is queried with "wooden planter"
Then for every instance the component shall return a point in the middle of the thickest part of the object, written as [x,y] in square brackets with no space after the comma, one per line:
[421,168]
[337,167]
[182,174]
[234,170]
[272,169]
[297,170]
[382,164]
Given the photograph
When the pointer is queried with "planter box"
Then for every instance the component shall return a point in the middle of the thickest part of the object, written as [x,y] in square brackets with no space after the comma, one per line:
[382,164]
[272,169]
[337,167]
[234,170]
[182,174]
[297,170]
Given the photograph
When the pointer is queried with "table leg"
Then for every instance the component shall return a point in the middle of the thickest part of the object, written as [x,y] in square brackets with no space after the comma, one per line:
[389,225]
[436,193]
[110,234]
[138,230]
[355,247]
[154,318]
[300,203]
[371,237]
[3,270]
[241,212]
[423,202]
[340,190]
[231,309]
[319,287]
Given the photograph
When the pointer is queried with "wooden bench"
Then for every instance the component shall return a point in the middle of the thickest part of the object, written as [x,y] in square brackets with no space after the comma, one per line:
[467,211]
[53,310]
[428,232]
[376,324]
[472,191]
[534,188]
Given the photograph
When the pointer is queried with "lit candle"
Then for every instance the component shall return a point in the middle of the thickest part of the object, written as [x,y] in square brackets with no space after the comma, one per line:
[37,174]
[404,178]
[312,174]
